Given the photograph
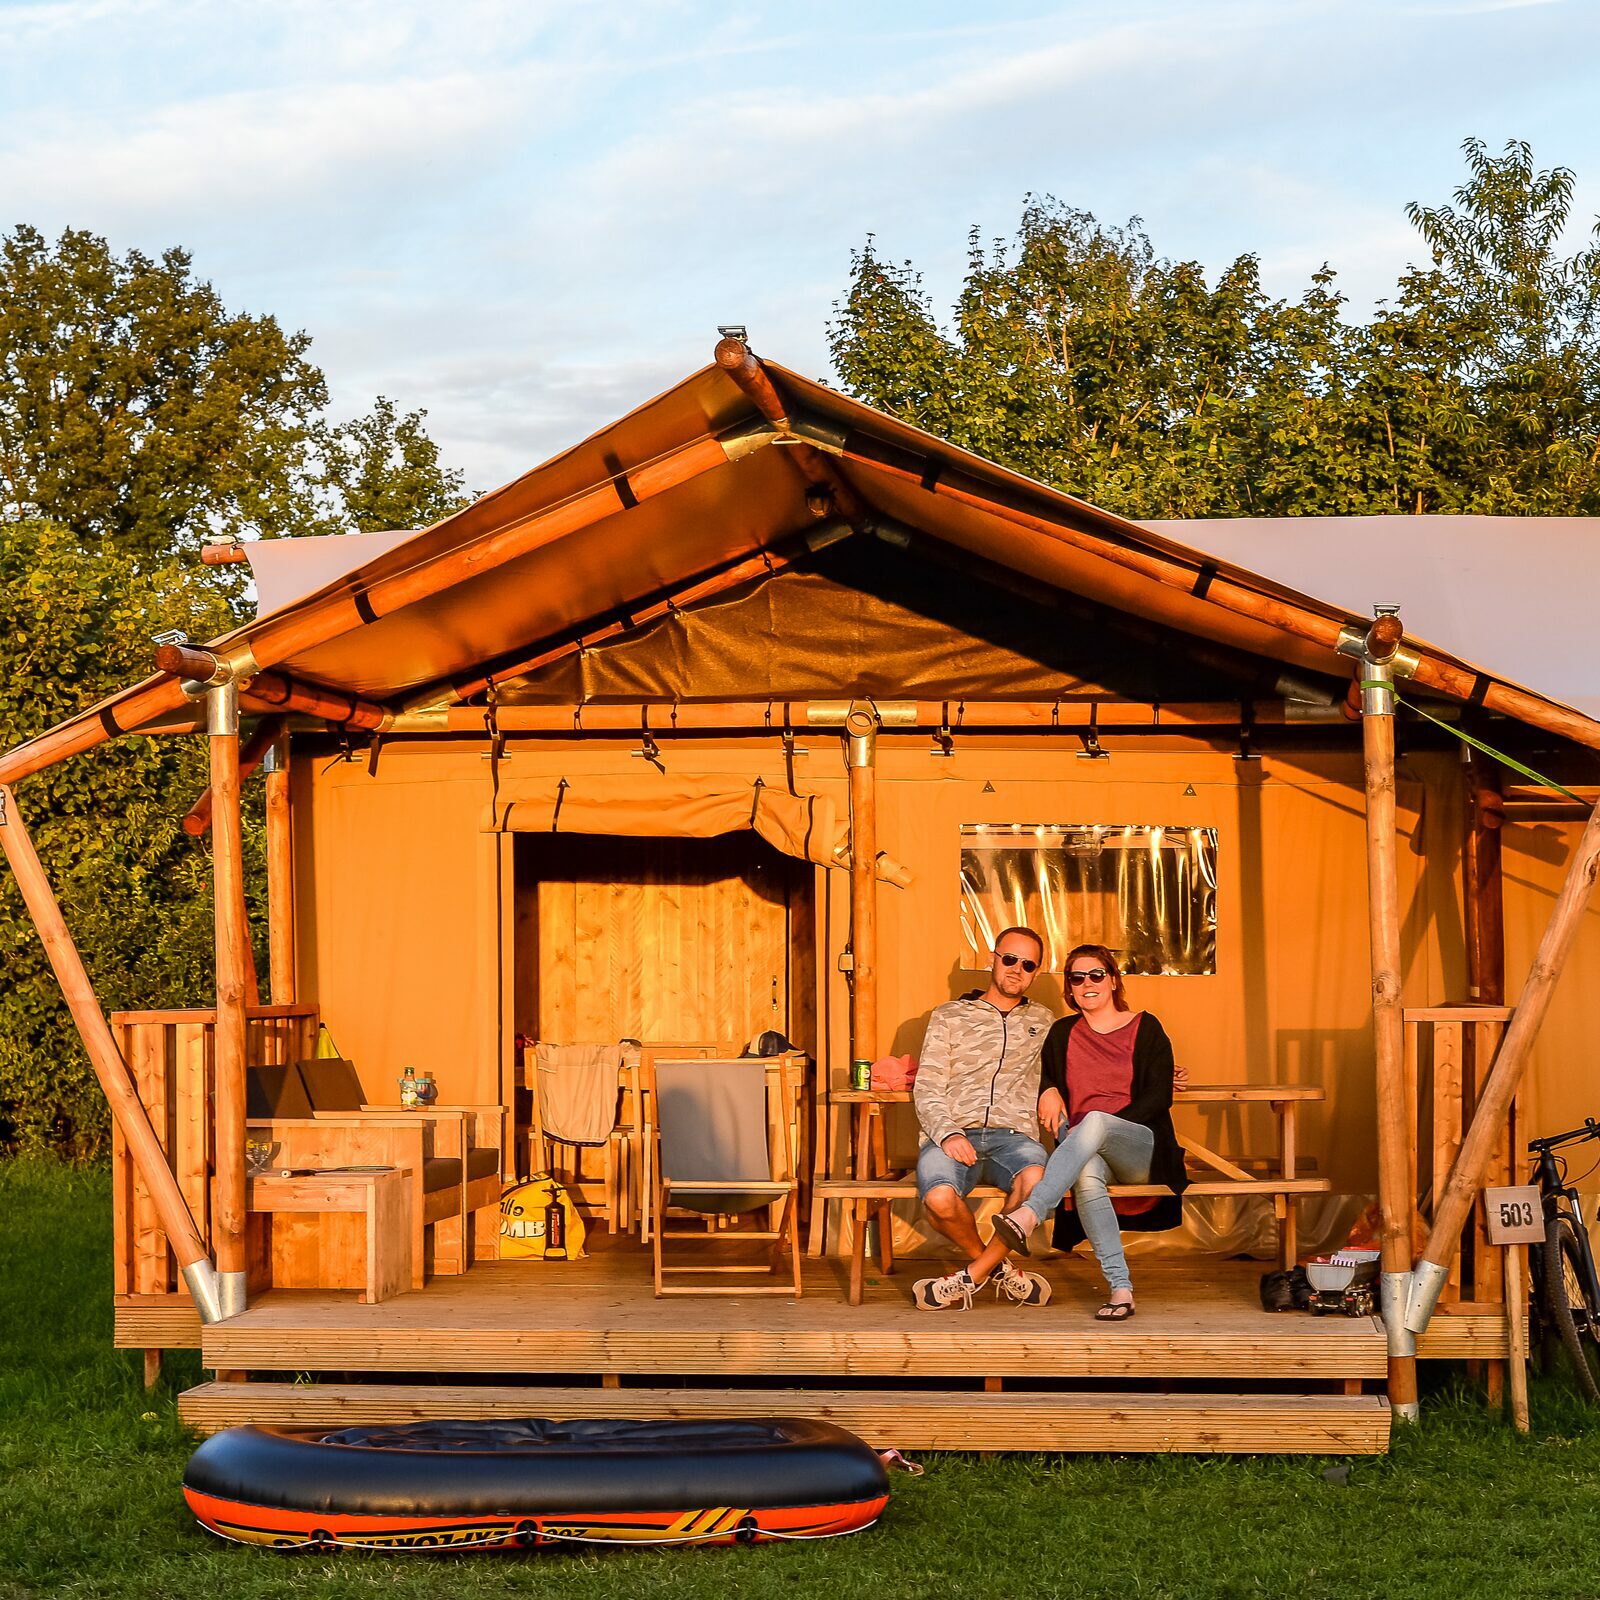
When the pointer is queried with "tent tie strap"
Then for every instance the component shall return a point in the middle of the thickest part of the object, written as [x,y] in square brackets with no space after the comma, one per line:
[1489,750]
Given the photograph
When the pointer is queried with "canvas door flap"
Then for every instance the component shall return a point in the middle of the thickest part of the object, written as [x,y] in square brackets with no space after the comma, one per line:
[805,826]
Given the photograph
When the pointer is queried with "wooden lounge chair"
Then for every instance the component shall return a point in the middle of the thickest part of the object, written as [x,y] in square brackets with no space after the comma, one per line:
[714,1155]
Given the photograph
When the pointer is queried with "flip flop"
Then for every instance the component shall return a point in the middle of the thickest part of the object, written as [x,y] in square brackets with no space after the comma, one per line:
[1010,1235]
[1114,1311]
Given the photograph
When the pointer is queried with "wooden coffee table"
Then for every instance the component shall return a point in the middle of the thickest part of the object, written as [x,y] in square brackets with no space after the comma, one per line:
[384,1198]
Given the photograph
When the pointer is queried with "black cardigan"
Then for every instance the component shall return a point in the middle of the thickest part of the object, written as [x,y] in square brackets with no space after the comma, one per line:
[1150,1105]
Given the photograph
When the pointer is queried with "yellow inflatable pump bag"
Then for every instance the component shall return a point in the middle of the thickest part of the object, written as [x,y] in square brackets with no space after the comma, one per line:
[538,1222]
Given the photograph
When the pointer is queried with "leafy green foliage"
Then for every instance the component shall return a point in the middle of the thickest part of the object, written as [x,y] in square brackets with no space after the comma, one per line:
[138,414]
[1080,357]
[384,470]
[134,888]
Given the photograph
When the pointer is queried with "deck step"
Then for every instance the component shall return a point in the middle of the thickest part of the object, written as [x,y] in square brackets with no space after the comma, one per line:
[910,1420]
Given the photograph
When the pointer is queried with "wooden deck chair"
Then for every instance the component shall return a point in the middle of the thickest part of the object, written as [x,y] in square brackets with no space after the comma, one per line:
[639,1080]
[714,1155]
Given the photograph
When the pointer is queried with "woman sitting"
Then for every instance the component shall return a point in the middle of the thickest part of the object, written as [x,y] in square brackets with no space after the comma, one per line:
[1105,1092]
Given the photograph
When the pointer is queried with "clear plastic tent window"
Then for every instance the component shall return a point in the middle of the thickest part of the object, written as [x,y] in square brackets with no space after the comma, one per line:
[1147,893]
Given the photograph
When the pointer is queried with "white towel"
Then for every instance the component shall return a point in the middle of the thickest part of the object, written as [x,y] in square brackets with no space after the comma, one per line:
[578,1091]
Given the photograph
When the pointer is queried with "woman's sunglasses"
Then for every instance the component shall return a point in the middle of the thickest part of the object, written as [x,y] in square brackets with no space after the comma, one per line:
[1011,961]
[1093,975]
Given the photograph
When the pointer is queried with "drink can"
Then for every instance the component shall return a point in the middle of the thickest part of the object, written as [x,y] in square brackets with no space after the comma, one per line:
[860,1074]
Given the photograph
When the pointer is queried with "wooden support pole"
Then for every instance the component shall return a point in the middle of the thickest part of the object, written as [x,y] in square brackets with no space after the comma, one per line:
[254,753]
[280,878]
[1483,884]
[861,743]
[233,959]
[1396,1193]
[1517,1334]
[1511,1060]
[109,1068]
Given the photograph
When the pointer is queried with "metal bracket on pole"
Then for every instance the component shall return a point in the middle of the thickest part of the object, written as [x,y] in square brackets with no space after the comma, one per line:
[205,1289]
[231,1293]
[1427,1282]
[1393,1290]
[222,709]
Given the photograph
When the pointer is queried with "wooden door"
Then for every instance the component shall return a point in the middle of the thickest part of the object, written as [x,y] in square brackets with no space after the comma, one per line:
[655,939]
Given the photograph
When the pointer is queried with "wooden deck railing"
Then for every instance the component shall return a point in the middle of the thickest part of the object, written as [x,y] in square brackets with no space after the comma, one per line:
[170,1056]
[1448,1053]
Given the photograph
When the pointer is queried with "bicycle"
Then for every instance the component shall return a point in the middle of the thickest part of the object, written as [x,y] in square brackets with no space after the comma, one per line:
[1564,1282]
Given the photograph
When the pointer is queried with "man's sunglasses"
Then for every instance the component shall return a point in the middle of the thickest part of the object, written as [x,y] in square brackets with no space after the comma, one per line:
[1011,961]
[1093,975]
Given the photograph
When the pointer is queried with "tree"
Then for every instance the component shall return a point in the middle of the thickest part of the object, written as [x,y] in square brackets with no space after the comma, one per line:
[135,889]
[384,470]
[1078,355]
[138,411]
[137,414]
[1487,369]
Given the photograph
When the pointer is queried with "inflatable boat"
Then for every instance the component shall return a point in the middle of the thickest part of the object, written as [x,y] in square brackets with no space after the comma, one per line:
[529,1482]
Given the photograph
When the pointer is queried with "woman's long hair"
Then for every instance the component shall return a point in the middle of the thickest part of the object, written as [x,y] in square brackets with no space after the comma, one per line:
[1119,1000]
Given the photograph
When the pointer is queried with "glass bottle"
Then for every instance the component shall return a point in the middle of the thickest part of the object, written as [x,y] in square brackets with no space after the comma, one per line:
[409,1089]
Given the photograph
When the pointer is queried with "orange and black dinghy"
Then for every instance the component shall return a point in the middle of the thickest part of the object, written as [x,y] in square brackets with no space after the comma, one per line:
[528,1482]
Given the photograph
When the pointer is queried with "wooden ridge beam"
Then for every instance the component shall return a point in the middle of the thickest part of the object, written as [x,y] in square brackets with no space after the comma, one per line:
[119,716]
[272,691]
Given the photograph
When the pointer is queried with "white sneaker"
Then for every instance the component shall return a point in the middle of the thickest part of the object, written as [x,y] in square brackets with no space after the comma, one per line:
[1024,1288]
[940,1294]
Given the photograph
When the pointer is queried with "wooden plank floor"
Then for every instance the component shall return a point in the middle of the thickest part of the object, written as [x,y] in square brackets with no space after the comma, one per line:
[1198,1319]
[908,1420]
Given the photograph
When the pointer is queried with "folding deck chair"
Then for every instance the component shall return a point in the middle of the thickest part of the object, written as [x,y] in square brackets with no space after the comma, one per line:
[714,1155]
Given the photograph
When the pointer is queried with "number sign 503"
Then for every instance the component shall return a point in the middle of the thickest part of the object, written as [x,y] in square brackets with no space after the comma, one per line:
[1514,1215]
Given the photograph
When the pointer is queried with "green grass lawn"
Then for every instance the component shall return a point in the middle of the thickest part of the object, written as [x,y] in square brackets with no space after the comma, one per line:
[90,1467]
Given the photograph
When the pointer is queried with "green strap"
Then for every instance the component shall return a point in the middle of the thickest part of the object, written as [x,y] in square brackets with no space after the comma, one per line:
[1466,738]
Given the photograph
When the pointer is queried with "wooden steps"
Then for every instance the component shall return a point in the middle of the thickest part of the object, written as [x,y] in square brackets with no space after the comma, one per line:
[905,1419]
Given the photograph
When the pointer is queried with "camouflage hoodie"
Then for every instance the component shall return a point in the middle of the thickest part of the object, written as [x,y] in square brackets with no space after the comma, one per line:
[980,1067]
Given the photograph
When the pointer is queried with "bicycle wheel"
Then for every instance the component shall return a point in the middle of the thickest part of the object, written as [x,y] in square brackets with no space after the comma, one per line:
[1575,1320]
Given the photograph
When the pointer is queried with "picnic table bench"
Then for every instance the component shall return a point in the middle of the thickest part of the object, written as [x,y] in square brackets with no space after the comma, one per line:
[872,1187]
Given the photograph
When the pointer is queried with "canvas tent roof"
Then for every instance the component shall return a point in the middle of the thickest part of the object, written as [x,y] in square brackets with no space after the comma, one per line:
[685,493]
[1500,588]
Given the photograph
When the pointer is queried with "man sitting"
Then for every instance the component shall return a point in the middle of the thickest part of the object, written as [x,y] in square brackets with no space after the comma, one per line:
[977,1095]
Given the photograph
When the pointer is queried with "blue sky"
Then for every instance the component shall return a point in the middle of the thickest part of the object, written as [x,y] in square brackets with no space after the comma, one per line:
[528,217]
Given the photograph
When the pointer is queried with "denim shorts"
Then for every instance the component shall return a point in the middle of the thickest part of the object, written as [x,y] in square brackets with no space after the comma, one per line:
[1002,1154]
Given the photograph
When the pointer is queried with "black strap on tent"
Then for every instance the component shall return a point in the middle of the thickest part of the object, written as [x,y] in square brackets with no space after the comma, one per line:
[1480,691]
[755,802]
[561,794]
[364,607]
[1202,579]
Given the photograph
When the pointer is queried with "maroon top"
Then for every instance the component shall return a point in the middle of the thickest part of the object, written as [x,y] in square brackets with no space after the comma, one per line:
[1100,1069]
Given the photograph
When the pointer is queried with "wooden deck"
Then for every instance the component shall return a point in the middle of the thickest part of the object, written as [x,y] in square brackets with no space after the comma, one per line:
[1200,1368]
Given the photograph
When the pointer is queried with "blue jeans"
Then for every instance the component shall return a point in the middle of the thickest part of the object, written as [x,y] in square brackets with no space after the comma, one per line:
[1002,1155]
[1099,1149]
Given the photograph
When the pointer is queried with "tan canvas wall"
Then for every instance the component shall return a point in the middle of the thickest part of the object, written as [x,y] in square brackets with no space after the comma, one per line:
[403,902]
